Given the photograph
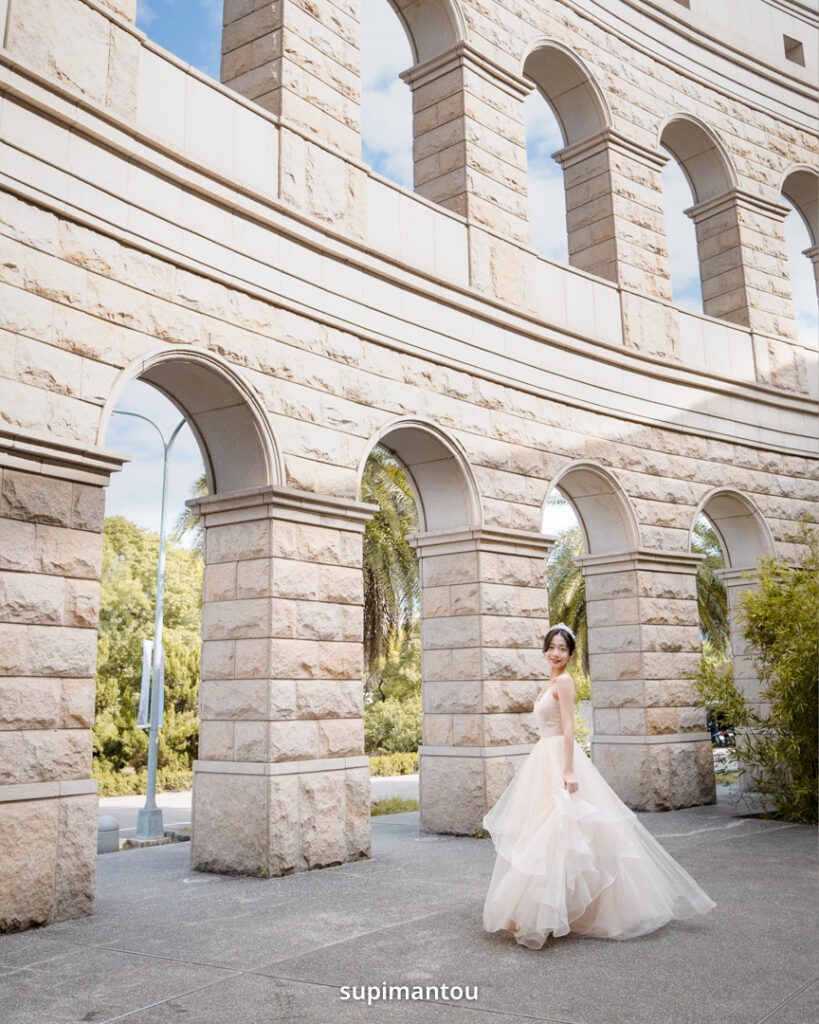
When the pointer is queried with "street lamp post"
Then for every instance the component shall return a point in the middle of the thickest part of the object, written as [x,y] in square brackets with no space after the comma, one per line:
[149,819]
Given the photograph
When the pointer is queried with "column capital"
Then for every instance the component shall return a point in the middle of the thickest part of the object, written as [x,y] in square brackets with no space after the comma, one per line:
[464,56]
[812,252]
[286,503]
[737,199]
[54,457]
[641,559]
[608,141]
[484,539]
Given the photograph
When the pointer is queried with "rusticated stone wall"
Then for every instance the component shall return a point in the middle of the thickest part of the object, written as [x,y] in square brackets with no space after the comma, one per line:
[234,251]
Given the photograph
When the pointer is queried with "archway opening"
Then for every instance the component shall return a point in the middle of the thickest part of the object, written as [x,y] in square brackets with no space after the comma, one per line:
[800,191]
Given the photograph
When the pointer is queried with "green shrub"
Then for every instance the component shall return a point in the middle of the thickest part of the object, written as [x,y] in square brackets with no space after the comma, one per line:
[777,745]
[393,725]
[133,782]
[394,764]
[393,805]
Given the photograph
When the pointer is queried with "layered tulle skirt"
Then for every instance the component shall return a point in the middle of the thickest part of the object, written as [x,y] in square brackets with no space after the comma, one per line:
[581,863]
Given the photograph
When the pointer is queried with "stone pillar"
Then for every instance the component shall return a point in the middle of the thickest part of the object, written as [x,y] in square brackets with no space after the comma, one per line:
[737,582]
[744,262]
[282,783]
[470,139]
[485,612]
[51,518]
[813,255]
[649,740]
[299,61]
[614,212]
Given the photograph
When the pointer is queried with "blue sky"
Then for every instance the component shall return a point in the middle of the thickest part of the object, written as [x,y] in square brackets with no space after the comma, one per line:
[191,29]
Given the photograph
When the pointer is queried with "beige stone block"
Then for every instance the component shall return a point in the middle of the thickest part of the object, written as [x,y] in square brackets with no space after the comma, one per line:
[36,499]
[30,598]
[632,722]
[230,824]
[293,741]
[228,620]
[17,545]
[250,741]
[508,696]
[691,719]
[82,603]
[219,582]
[28,853]
[357,808]
[322,813]
[437,730]
[467,730]
[253,578]
[29,703]
[500,730]
[512,663]
[509,631]
[54,754]
[452,794]
[465,598]
[76,857]
[662,720]
[218,659]
[320,698]
[238,541]
[253,658]
[606,721]
[442,697]
[76,704]
[87,507]
[452,632]
[11,758]
[61,651]
[671,638]
[341,737]
[284,826]
[435,602]
[234,699]
[617,693]
[216,740]
[448,570]
[64,552]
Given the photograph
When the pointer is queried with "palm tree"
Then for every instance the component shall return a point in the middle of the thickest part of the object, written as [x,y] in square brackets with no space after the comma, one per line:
[188,520]
[567,589]
[712,597]
[390,565]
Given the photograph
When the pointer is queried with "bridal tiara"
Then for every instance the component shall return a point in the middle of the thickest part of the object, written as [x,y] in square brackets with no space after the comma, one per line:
[565,628]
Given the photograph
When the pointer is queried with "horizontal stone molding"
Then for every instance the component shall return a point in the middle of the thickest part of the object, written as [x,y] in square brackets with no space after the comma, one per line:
[47,790]
[484,539]
[641,741]
[462,55]
[56,458]
[609,140]
[284,503]
[640,559]
[326,764]
[736,199]
[508,750]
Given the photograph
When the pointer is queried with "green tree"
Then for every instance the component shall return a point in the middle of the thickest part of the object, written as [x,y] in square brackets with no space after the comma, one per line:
[777,746]
[567,590]
[390,565]
[127,596]
[712,597]
[189,521]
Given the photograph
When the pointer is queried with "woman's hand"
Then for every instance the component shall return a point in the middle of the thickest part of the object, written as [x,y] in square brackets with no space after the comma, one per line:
[569,782]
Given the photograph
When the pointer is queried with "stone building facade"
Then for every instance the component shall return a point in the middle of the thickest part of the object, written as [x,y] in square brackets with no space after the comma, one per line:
[226,243]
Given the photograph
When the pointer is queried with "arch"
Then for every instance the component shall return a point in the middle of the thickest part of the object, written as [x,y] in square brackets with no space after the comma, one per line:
[800,187]
[432,26]
[438,471]
[606,518]
[569,89]
[701,156]
[742,530]
[223,412]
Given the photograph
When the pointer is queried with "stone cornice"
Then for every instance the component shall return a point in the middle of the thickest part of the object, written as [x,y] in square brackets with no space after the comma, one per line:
[483,539]
[739,200]
[463,56]
[642,559]
[285,503]
[57,458]
[606,141]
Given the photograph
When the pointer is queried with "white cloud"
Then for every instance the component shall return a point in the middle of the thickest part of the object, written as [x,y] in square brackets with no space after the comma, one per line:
[146,14]
[547,200]
[681,237]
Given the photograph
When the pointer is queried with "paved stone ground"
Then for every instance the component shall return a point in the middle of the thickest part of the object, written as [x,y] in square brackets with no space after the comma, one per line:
[171,945]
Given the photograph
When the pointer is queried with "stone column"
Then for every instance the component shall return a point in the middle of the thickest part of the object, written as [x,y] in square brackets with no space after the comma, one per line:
[51,518]
[282,783]
[813,255]
[470,139]
[299,61]
[614,212]
[744,262]
[485,612]
[649,740]
[737,582]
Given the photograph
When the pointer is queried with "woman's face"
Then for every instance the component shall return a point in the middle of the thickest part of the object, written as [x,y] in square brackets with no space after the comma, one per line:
[557,653]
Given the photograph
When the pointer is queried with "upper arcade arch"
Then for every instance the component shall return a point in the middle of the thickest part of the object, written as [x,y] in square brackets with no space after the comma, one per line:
[604,513]
[569,89]
[227,419]
[801,188]
[700,155]
[742,530]
[432,26]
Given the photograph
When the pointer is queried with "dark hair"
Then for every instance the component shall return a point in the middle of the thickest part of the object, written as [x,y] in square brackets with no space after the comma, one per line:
[559,631]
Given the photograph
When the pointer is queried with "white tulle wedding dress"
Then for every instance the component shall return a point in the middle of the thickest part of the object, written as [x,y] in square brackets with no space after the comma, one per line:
[579,863]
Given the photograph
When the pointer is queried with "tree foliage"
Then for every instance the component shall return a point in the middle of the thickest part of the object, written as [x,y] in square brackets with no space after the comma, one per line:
[390,565]
[778,743]
[392,714]
[127,599]
[712,597]
[567,590]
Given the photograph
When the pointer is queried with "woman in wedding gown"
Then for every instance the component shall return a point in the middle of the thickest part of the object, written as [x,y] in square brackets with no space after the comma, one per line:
[571,857]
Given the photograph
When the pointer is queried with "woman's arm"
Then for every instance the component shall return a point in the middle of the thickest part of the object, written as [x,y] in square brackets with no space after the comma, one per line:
[564,687]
